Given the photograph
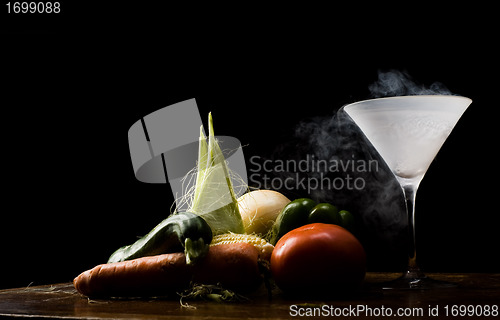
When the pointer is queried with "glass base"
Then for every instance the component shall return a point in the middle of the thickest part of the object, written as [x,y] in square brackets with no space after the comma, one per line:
[416,280]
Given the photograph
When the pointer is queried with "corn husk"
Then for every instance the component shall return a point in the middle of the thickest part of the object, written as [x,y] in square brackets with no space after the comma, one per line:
[214,198]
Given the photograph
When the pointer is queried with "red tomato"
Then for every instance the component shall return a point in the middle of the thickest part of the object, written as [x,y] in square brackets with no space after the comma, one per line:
[318,257]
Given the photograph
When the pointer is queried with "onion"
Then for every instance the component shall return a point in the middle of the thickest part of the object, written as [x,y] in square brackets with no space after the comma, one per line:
[259,209]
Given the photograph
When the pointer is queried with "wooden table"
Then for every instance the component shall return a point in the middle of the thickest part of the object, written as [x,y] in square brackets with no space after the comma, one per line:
[477,292]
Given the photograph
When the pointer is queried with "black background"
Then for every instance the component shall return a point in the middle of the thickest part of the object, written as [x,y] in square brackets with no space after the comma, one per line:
[73,85]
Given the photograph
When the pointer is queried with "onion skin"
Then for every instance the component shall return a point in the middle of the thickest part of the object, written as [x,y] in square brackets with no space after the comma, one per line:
[259,209]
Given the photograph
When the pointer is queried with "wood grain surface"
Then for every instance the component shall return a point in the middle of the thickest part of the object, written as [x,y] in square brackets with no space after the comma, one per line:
[61,301]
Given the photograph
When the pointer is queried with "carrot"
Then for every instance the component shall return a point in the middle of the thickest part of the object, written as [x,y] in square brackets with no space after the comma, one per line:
[142,276]
[233,265]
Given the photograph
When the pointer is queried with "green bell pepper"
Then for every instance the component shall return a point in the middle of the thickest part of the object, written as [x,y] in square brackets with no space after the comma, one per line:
[293,215]
[304,211]
[324,213]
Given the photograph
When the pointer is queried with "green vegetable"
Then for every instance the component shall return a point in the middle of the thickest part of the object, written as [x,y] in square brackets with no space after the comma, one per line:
[347,220]
[304,211]
[214,197]
[325,213]
[294,215]
[179,231]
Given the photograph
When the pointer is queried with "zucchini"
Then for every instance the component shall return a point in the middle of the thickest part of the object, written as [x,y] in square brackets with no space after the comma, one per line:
[179,232]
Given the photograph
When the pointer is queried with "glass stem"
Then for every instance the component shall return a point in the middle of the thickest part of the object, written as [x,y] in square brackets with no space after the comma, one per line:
[413,271]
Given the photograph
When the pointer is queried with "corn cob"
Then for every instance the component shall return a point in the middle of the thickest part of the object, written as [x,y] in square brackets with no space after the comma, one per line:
[264,247]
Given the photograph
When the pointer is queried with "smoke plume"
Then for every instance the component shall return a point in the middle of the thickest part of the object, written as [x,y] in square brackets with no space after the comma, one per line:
[399,83]
[336,143]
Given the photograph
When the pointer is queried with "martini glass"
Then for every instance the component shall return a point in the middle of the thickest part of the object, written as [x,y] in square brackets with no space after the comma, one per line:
[408,132]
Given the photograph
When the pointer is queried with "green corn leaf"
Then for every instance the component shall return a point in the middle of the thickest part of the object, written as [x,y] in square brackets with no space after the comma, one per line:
[214,197]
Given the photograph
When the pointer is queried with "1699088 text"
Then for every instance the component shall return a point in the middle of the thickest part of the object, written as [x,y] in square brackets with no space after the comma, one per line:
[33,7]
[471,310]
